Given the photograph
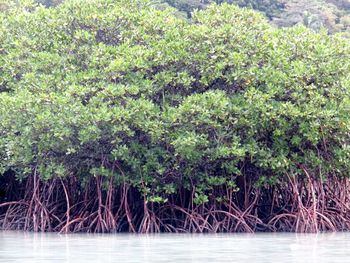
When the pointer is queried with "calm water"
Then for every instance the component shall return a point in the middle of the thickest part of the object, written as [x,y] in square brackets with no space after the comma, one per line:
[310,248]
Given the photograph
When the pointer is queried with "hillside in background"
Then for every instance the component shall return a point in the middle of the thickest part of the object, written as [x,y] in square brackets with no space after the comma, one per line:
[315,14]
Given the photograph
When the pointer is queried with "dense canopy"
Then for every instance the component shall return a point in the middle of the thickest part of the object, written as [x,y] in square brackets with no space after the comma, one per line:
[214,115]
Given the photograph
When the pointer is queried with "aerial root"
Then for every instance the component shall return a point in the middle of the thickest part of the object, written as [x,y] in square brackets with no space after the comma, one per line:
[303,204]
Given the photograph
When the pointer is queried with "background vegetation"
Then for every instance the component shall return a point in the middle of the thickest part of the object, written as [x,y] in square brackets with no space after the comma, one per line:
[315,14]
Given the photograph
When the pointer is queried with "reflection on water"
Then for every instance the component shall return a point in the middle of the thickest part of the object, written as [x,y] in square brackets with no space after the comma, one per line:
[311,248]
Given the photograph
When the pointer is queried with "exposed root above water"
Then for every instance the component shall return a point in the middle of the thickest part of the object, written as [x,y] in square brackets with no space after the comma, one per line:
[300,205]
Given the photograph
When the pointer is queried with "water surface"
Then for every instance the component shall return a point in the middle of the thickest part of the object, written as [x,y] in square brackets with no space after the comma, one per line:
[75,248]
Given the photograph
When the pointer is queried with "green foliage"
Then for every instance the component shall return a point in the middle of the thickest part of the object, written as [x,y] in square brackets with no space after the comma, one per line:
[122,89]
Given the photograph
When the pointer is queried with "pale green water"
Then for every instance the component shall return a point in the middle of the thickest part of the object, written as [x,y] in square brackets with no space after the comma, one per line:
[250,248]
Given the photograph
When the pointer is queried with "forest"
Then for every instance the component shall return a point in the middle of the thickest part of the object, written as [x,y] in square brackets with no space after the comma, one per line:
[135,116]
